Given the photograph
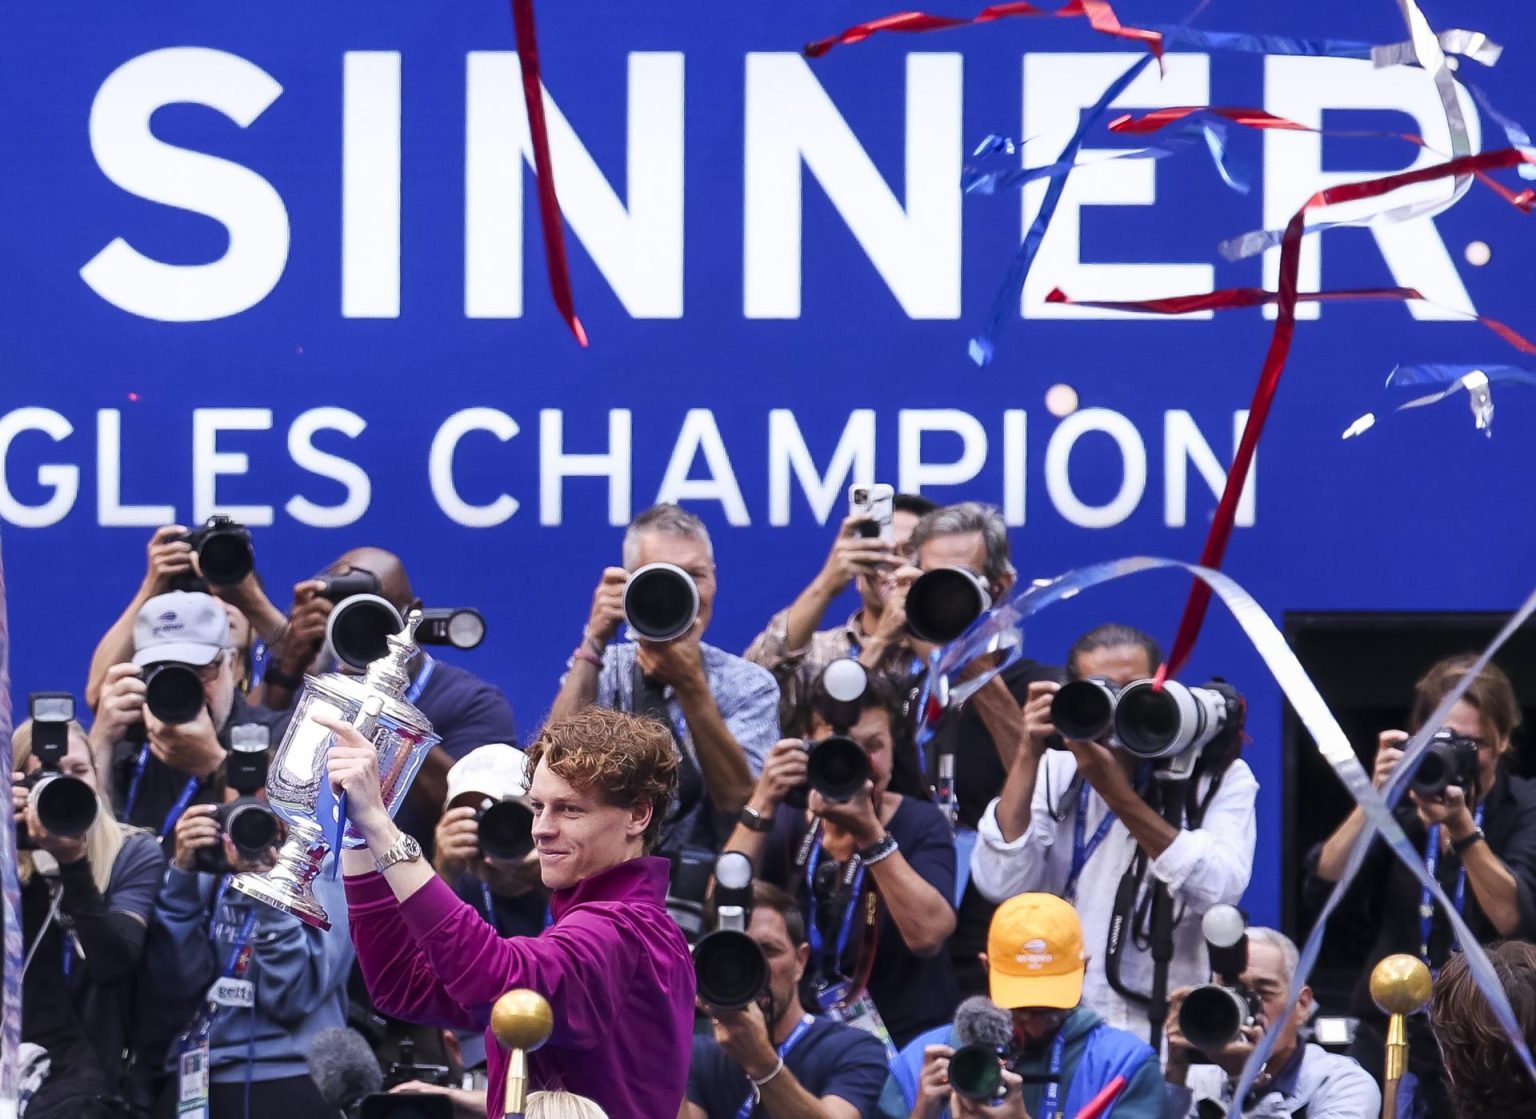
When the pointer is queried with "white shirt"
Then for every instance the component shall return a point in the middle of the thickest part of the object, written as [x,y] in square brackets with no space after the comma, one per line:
[1202,868]
[1328,1085]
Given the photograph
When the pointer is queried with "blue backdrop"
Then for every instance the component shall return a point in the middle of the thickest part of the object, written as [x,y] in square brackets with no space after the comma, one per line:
[280,261]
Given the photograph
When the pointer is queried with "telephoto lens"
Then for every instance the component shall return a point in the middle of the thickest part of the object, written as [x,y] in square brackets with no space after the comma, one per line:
[729,967]
[173,692]
[359,628]
[1084,710]
[976,1072]
[506,829]
[943,603]
[1213,1017]
[661,602]
[837,767]
[1167,721]
[224,552]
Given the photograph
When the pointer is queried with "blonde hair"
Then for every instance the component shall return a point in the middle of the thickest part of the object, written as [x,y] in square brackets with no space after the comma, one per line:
[562,1105]
[103,841]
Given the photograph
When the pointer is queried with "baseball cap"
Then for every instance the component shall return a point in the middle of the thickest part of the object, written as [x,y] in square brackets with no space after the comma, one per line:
[183,626]
[495,770]
[1035,953]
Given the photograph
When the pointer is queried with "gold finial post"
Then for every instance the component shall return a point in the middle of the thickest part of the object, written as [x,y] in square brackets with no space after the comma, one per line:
[522,1021]
[1400,986]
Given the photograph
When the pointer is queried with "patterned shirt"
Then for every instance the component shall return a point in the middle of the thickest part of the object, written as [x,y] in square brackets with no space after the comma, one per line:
[746,694]
[798,669]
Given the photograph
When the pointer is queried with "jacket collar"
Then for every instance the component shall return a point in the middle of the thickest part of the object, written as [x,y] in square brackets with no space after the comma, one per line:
[634,881]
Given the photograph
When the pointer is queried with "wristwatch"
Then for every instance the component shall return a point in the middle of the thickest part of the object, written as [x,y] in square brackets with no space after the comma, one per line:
[753,820]
[403,850]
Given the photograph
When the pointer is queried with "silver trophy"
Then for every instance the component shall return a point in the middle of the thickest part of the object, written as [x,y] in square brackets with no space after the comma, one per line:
[297,785]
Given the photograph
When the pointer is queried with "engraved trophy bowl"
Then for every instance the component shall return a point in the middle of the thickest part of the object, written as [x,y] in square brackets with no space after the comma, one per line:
[297,786]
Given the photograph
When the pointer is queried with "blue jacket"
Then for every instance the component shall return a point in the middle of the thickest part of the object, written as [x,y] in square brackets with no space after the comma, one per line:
[300,973]
[1094,1055]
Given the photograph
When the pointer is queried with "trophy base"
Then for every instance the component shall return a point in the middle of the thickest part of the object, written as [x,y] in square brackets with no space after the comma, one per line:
[287,885]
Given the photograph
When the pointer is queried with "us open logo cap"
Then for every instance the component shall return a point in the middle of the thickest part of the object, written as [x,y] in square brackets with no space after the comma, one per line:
[1035,953]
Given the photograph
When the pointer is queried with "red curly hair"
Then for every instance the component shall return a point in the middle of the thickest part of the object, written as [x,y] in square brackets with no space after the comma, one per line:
[626,759]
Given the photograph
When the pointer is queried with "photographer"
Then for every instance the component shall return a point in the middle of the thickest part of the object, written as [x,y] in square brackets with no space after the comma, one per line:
[723,711]
[796,652]
[1483,1072]
[1056,1054]
[1298,1077]
[1479,839]
[982,737]
[85,904]
[875,875]
[256,985]
[157,766]
[794,1065]
[1077,822]
[173,566]
[464,710]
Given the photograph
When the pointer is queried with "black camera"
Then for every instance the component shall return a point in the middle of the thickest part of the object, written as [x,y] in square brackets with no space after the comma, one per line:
[173,692]
[1449,759]
[687,887]
[729,967]
[224,552]
[362,622]
[836,766]
[248,821]
[1214,1015]
[406,1068]
[505,826]
[943,603]
[65,805]
[661,602]
[984,1046]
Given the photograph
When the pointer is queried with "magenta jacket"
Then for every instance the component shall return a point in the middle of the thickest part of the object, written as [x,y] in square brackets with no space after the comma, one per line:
[613,965]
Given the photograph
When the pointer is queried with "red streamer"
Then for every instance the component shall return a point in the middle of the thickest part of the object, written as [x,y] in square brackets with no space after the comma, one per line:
[1101,1103]
[1101,17]
[1279,350]
[549,204]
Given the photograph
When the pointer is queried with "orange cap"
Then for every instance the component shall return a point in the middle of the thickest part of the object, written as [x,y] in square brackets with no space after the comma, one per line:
[1035,953]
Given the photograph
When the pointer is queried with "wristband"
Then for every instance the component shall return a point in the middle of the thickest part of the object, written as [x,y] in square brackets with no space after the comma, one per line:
[757,1085]
[1458,846]
[753,820]
[581,654]
[880,851]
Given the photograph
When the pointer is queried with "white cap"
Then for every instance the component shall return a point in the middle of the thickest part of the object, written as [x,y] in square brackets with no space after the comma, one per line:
[496,770]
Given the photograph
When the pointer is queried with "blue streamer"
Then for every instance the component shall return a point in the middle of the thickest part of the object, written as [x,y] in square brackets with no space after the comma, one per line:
[1405,375]
[981,177]
[1187,38]
[1006,303]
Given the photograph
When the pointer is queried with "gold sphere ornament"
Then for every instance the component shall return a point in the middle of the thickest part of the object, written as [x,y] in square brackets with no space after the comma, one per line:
[1401,984]
[522,1019]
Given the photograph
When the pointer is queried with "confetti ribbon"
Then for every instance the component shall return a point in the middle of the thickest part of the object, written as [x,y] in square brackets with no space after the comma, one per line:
[1475,380]
[10,890]
[1101,17]
[549,203]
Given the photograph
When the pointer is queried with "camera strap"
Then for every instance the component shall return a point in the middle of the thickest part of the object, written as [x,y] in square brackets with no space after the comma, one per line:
[650,699]
[851,886]
[1426,903]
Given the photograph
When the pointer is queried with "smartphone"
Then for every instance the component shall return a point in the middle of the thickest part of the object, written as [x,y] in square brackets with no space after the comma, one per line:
[872,501]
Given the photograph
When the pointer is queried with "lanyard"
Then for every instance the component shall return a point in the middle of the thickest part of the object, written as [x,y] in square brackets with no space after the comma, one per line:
[69,955]
[177,809]
[1081,851]
[789,1043]
[489,903]
[1426,905]
[853,878]
[1053,1086]
[238,962]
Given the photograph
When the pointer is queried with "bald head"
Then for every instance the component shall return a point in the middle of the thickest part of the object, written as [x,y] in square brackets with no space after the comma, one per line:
[394,583]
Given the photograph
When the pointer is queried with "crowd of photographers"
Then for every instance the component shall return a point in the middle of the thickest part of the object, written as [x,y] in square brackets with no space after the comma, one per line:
[1022,904]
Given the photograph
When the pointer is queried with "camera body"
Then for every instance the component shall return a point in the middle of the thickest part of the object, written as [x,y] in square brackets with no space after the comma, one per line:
[1449,759]
[65,805]
[225,554]
[728,966]
[359,627]
[836,766]
[250,823]
[874,503]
